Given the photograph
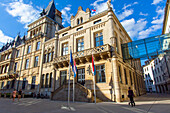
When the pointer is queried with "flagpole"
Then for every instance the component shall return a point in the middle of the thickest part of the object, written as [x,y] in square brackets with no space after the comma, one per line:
[94,82]
[73,86]
[94,88]
[69,87]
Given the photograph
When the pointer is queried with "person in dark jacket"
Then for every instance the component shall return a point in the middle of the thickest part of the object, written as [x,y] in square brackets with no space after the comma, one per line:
[19,94]
[131,95]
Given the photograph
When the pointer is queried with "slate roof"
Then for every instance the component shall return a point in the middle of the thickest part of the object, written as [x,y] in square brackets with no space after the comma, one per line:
[50,10]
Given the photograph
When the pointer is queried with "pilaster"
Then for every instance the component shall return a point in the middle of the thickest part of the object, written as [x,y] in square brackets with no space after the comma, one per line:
[41,66]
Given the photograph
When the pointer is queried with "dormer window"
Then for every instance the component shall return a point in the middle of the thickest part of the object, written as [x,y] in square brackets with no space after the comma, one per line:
[81,19]
[98,21]
[64,34]
[78,21]
[80,28]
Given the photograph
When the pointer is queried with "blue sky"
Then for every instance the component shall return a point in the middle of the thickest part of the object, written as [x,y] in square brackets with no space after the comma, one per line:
[141,18]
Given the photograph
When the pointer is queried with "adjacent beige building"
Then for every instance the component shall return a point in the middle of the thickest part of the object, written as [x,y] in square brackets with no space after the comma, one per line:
[39,62]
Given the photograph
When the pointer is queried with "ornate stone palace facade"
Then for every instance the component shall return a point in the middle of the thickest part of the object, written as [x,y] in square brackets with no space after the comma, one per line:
[39,62]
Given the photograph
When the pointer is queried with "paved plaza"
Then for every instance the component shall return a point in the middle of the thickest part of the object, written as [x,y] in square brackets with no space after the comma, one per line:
[150,103]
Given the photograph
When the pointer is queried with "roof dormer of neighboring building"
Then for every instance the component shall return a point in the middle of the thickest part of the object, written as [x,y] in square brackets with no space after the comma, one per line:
[80,17]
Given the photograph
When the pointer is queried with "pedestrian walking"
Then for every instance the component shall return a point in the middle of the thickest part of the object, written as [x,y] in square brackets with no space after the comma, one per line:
[14,94]
[131,95]
[19,94]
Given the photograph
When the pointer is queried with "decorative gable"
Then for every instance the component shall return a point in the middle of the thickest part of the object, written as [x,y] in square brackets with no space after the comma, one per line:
[80,17]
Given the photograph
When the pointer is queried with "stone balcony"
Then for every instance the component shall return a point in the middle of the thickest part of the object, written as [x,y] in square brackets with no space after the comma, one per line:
[8,75]
[100,52]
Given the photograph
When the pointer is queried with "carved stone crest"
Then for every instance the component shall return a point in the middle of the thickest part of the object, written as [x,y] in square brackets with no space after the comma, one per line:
[109,4]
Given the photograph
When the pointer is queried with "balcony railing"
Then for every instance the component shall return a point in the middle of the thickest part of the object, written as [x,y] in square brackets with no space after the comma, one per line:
[88,52]
[35,35]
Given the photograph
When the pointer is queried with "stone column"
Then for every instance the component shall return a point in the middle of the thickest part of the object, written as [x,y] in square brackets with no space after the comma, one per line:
[41,66]
[112,41]
[53,79]
[116,80]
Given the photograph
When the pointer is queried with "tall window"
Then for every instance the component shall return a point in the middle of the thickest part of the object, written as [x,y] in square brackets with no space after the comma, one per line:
[120,76]
[100,74]
[2,69]
[49,57]
[81,76]
[81,19]
[17,54]
[2,85]
[38,45]
[45,58]
[27,64]
[13,82]
[50,84]
[117,46]
[78,22]
[36,61]
[130,77]
[29,49]
[125,76]
[46,80]
[65,49]
[8,84]
[33,82]
[5,68]
[63,77]
[80,44]
[99,39]
[42,81]
[52,55]
[24,83]
[15,66]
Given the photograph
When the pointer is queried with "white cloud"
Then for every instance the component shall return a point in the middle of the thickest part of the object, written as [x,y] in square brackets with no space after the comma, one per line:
[66,14]
[155,2]
[143,14]
[4,38]
[134,27]
[125,14]
[156,23]
[25,13]
[145,33]
[100,6]
[129,5]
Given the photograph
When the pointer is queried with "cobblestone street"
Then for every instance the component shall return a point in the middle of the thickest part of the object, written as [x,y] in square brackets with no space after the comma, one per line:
[150,103]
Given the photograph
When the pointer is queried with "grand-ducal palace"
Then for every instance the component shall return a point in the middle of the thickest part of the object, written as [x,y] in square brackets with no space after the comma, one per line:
[38,63]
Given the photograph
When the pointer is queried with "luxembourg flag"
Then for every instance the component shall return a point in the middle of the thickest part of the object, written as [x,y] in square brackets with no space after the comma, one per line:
[93,66]
[75,68]
[93,11]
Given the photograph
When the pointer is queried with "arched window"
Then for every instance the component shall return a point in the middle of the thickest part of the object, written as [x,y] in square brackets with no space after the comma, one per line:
[81,19]
[78,21]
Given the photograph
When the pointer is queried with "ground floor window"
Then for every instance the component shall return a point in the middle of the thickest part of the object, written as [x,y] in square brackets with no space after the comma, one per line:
[46,80]
[8,84]
[2,85]
[100,74]
[24,83]
[33,82]
[81,76]
[42,81]
[50,84]
[63,77]
[13,82]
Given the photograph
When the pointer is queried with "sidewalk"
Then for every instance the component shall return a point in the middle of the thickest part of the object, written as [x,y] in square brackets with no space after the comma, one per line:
[150,103]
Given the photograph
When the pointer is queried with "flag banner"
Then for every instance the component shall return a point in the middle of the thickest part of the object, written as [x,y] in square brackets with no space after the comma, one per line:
[93,66]
[71,59]
[93,11]
[75,68]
